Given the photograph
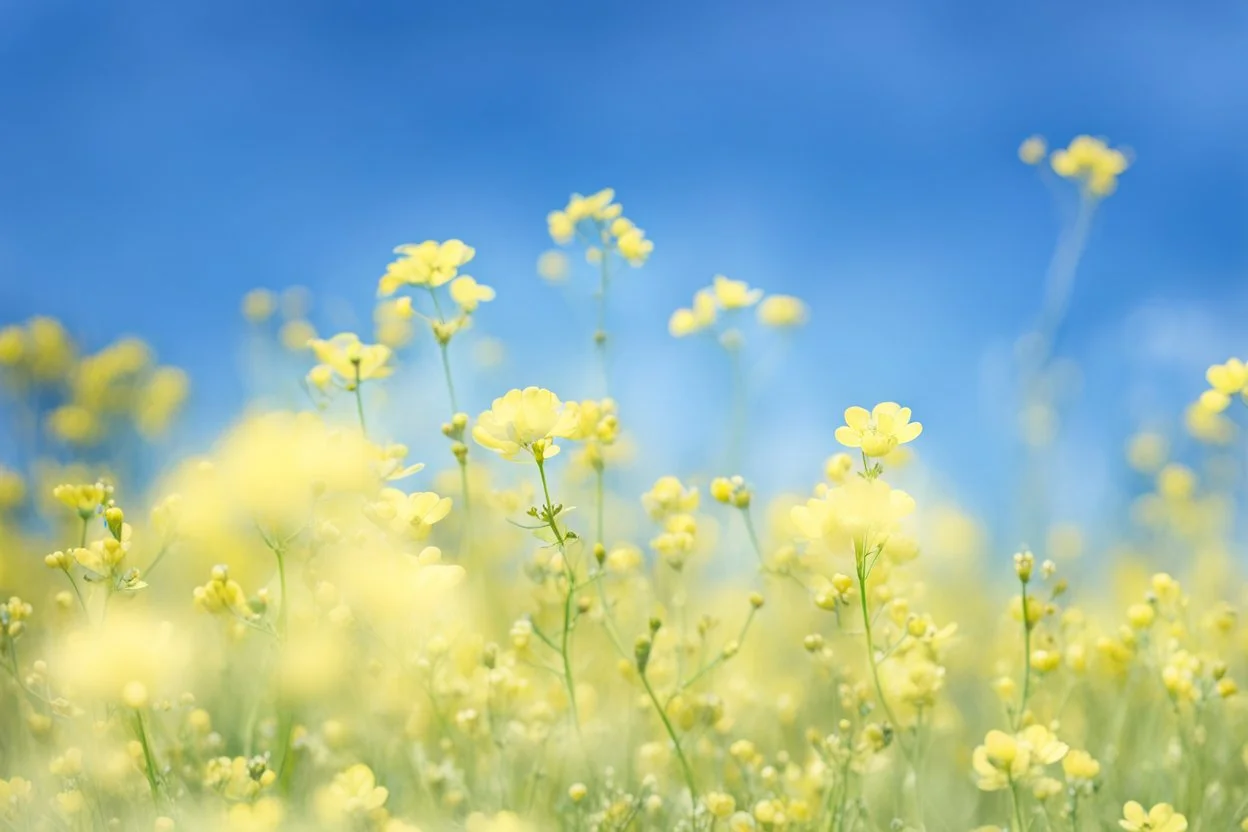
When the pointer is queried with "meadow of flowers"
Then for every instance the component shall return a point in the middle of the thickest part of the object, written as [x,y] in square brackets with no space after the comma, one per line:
[306,628]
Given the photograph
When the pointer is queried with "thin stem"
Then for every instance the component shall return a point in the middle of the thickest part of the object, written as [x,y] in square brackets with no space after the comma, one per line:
[565,651]
[148,759]
[359,401]
[736,439]
[1022,704]
[671,732]
[1018,809]
[749,528]
[82,602]
[82,538]
[600,335]
[446,370]
[866,624]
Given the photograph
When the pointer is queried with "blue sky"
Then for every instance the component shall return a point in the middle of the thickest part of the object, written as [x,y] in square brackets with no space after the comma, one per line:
[159,159]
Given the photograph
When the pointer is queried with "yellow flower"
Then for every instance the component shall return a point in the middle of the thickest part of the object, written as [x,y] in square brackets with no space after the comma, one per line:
[1229,378]
[1092,162]
[782,311]
[352,360]
[553,266]
[734,294]
[468,293]
[877,433]
[861,511]
[354,792]
[84,499]
[688,321]
[1032,150]
[410,514]
[428,264]
[12,350]
[75,424]
[259,305]
[562,228]
[669,496]
[529,420]
[296,334]
[1160,818]
[1000,760]
[632,245]
[1080,765]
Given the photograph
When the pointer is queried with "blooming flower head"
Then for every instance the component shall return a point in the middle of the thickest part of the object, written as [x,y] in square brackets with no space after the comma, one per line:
[878,432]
[350,360]
[1092,162]
[430,264]
[782,311]
[1004,759]
[696,318]
[1225,380]
[631,242]
[1160,818]
[862,512]
[354,792]
[734,294]
[669,496]
[409,514]
[524,420]
[468,293]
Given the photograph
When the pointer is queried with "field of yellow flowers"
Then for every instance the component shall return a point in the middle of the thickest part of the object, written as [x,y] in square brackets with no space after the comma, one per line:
[305,628]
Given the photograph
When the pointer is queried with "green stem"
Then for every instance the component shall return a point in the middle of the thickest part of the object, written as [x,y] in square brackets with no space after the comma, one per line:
[866,624]
[82,602]
[148,759]
[82,538]
[446,370]
[1018,809]
[749,528]
[600,335]
[565,651]
[671,732]
[1022,704]
[359,402]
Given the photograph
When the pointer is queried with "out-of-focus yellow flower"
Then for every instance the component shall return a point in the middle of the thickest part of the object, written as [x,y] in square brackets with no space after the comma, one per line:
[1208,425]
[1146,452]
[734,294]
[1229,378]
[669,496]
[75,425]
[530,420]
[633,246]
[351,360]
[1160,818]
[430,264]
[353,793]
[1080,765]
[1032,150]
[862,512]
[1092,162]
[50,350]
[553,266]
[782,311]
[12,345]
[688,321]
[468,293]
[410,514]
[160,400]
[259,305]
[296,334]
[879,431]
